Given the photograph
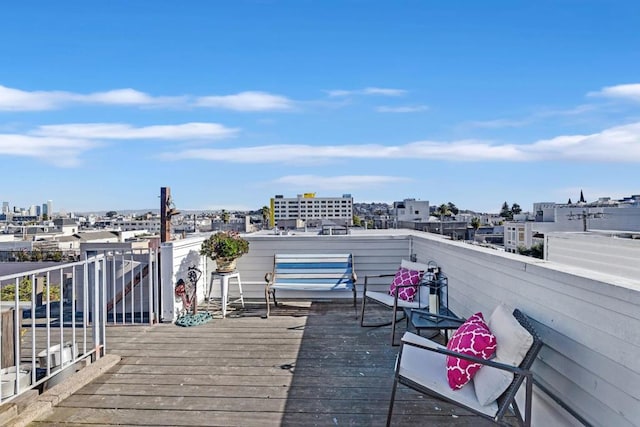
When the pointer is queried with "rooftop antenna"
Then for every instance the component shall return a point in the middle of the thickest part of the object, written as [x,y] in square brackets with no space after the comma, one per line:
[585,216]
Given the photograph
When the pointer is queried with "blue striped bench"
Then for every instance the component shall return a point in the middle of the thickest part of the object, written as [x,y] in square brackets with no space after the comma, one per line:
[310,272]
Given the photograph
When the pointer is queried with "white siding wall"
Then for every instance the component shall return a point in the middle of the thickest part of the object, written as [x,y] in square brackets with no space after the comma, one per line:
[175,258]
[590,322]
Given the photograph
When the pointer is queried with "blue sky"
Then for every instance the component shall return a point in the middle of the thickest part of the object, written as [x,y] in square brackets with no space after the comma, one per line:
[228,103]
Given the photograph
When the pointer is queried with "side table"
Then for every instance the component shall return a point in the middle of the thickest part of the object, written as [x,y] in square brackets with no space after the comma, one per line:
[423,320]
[224,279]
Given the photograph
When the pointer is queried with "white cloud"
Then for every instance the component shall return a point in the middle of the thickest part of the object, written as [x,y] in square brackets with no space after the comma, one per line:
[402,109]
[339,92]
[534,117]
[626,91]
[383,91]
[575,111]
[337,182]
[247,101]
[126,131]
[616,144]
[499,123]
[367,91]
[20,100]
[125,97]
[63,152]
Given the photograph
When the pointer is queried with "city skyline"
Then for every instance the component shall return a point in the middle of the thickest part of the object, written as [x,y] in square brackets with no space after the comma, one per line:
[231,103]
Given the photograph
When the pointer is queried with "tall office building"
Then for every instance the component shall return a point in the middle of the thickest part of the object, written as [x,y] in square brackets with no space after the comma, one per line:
[46,208]
[311,210]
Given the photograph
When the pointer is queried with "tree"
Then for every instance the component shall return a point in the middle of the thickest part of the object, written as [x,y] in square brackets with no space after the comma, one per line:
[225,216]
[8,292]
[505,212]
[45,217]
[515,209]
[535,251]
[453,208]
[475,223]
[442,211]
[357,221]
[111,214]
[266,214]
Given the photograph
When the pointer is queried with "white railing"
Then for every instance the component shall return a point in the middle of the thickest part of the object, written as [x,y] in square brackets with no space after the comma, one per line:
[132,288]
[48,327]
[56,316]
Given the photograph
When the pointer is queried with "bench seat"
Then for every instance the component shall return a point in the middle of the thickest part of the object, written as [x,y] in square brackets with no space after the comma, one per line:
[310,272]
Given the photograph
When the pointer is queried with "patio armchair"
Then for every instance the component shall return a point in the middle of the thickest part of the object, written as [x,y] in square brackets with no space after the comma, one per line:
[392,299]
[422,365]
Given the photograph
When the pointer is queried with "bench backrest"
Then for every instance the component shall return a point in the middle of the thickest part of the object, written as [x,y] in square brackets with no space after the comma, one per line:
[313,272]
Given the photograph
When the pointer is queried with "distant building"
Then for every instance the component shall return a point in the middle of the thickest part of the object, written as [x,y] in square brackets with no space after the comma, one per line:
[46,209]
[150,224]
[66,225]
[603,214]
[411,210]
[312,210]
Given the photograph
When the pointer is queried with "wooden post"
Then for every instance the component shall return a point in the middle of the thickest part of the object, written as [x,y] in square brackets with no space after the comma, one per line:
[8,339]
[165,220]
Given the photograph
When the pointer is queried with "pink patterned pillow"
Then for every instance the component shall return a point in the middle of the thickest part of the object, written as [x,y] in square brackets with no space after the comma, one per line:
[474,339]
[404,276]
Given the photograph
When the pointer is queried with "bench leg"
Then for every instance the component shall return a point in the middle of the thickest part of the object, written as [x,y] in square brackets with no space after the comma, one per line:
[266,299]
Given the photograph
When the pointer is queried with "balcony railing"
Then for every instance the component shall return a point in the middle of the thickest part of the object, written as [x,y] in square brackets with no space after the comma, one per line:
[55,317]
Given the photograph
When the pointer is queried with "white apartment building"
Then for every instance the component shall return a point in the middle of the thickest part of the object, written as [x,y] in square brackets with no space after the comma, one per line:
[288,211]
[411,210]
[152,225]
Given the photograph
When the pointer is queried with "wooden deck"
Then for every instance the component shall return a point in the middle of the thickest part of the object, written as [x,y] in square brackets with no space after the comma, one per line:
[309,364]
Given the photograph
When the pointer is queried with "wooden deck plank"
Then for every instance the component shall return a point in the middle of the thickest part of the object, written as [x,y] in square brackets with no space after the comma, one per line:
[308,364]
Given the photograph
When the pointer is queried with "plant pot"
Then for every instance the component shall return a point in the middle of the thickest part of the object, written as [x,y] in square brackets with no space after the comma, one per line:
[224,265]
[9,386]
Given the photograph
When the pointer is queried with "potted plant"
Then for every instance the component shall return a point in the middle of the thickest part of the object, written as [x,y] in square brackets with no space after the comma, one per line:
[225,247]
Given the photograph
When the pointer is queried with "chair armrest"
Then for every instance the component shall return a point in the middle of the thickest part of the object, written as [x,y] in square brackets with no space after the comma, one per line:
[366,279]
[378,275]
[435,317]
[426,344]
[419,341]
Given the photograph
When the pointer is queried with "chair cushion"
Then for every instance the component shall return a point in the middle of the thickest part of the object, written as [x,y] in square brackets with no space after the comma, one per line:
[489,383]
[473,338]
[405,276]
[428,369]
[514,342]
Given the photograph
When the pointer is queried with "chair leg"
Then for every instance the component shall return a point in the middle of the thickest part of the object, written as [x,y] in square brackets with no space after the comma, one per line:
[355,306]
[393,397]
[393,329]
